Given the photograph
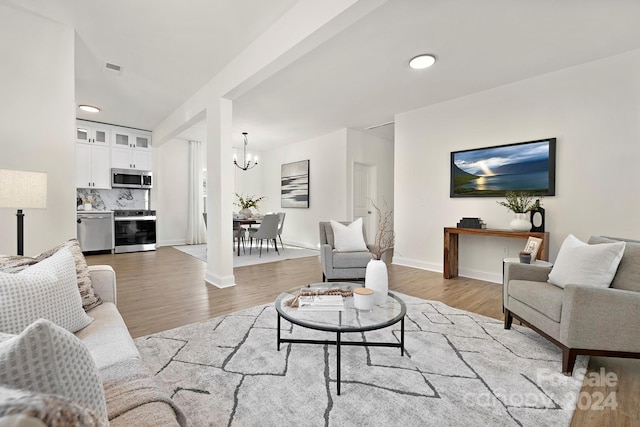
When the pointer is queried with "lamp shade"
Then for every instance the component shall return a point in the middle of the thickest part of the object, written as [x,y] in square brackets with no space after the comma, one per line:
[23,189]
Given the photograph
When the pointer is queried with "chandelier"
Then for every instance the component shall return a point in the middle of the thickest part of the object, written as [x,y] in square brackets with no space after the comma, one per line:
[246,162]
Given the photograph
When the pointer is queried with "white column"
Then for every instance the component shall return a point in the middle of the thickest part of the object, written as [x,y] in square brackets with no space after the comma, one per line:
[219,194]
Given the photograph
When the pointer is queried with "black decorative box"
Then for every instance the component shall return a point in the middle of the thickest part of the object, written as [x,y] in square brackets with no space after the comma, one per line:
[471,223]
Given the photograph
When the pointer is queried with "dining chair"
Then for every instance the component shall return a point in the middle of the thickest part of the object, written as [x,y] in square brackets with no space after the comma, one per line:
[204,217]
[268,230]
[239,233]
[281,216]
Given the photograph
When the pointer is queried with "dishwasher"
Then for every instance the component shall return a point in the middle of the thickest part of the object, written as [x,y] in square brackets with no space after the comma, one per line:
[95,231]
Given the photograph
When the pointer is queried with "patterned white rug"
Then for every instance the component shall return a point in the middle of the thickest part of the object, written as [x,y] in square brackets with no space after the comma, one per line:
[246,258]
[459,369]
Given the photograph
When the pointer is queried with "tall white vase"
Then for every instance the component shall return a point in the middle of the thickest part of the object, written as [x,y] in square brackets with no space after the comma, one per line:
[520,223]
[377,279]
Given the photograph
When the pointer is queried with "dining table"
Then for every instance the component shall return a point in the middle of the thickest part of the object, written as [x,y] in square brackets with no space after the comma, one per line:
[238,222]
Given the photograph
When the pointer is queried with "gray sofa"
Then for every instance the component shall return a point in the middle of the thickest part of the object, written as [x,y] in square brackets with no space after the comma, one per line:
[579,319]
[341,265]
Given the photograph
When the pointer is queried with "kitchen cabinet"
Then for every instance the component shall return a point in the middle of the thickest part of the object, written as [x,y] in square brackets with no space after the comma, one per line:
[141,140]
[127,158]
[92,133]
[131,149]
[135,140]
[121,138]
[92,166]
[100,147]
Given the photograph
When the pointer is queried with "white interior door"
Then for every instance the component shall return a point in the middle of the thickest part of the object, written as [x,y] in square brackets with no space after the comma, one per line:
[363,192]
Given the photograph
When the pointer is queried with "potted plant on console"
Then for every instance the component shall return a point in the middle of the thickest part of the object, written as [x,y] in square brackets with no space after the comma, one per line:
[520,202]
[376,276]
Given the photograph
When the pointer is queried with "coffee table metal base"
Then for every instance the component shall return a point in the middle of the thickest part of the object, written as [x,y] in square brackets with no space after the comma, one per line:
[338,343]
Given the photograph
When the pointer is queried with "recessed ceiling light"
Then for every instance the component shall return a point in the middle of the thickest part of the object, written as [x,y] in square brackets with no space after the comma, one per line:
[421,62]
[89,108]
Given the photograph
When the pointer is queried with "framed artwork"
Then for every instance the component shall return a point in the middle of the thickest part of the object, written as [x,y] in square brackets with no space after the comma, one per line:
[494,171]
[294,180]
[533,246]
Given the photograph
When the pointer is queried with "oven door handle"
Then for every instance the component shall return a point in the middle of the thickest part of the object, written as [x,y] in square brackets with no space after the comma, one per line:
[135,218]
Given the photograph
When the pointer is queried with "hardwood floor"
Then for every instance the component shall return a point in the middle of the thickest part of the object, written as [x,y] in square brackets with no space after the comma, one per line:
[165,289]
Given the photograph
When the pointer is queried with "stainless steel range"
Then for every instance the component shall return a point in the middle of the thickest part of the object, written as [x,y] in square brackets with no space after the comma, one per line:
[134,230]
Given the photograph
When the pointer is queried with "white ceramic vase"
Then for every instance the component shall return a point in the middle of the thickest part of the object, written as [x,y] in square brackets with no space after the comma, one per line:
[520,222]
[377,279]
[246,213]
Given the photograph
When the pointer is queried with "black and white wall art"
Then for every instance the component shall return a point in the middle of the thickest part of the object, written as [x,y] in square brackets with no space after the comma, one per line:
[295,184]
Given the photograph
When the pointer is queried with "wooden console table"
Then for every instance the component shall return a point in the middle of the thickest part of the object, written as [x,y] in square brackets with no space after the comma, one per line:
[451,234]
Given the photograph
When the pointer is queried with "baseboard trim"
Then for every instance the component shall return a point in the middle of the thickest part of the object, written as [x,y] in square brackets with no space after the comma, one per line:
[299,244]
[171,243]
[408,262]
[463,272]
[219,281]
[480,275]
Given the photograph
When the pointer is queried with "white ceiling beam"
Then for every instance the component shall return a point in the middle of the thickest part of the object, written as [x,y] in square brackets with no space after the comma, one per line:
[305,26]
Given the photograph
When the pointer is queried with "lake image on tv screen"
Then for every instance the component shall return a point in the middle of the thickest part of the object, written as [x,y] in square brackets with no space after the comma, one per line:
[496,170]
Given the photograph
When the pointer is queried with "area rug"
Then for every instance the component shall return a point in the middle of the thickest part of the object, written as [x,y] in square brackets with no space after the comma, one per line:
[459,369]
[288,252]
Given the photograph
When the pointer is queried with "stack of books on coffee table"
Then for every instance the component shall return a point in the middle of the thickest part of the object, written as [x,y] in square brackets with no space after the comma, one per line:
[321,303]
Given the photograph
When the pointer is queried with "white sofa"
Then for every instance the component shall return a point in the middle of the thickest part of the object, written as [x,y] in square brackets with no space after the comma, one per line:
[118,359]
[133,397]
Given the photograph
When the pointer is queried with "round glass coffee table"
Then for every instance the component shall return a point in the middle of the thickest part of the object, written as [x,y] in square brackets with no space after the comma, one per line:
[347,320]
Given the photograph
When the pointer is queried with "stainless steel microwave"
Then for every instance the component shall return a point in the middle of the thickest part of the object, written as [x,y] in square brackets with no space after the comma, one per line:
[131,178]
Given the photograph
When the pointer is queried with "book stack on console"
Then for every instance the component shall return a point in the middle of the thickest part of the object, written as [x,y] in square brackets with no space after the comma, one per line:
[471,223]
[321,303]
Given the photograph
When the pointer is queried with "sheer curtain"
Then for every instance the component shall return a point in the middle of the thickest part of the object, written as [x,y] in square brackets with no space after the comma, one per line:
[196,233]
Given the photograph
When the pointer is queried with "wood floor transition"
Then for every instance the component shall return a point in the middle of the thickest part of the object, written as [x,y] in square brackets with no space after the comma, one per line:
[164,289]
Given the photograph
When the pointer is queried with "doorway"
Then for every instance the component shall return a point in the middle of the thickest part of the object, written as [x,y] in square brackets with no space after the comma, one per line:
[364,190]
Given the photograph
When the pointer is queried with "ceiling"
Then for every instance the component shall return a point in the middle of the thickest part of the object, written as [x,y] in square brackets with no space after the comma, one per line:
[167,49]
[358,79]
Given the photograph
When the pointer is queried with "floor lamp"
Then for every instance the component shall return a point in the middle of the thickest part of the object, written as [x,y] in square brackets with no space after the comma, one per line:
[22,190]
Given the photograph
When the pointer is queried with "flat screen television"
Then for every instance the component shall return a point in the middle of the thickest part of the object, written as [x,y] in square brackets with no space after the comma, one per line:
[492,171]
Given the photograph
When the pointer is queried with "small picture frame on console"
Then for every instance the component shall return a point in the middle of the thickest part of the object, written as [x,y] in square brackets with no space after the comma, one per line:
[533,246]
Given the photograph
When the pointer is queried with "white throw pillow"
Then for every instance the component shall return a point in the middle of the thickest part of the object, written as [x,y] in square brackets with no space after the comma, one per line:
[348,238]
[4,337]
[46,290]
[46,358]
[584,264]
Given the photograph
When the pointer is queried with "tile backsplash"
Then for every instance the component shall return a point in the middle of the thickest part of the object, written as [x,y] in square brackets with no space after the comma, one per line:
[115,199]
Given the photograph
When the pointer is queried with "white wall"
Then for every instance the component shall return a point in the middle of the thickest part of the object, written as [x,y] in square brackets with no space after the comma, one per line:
[327,189]
[170,192]
[592,109]
[37,126]
[171,187]
[331,160]
[330,182]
